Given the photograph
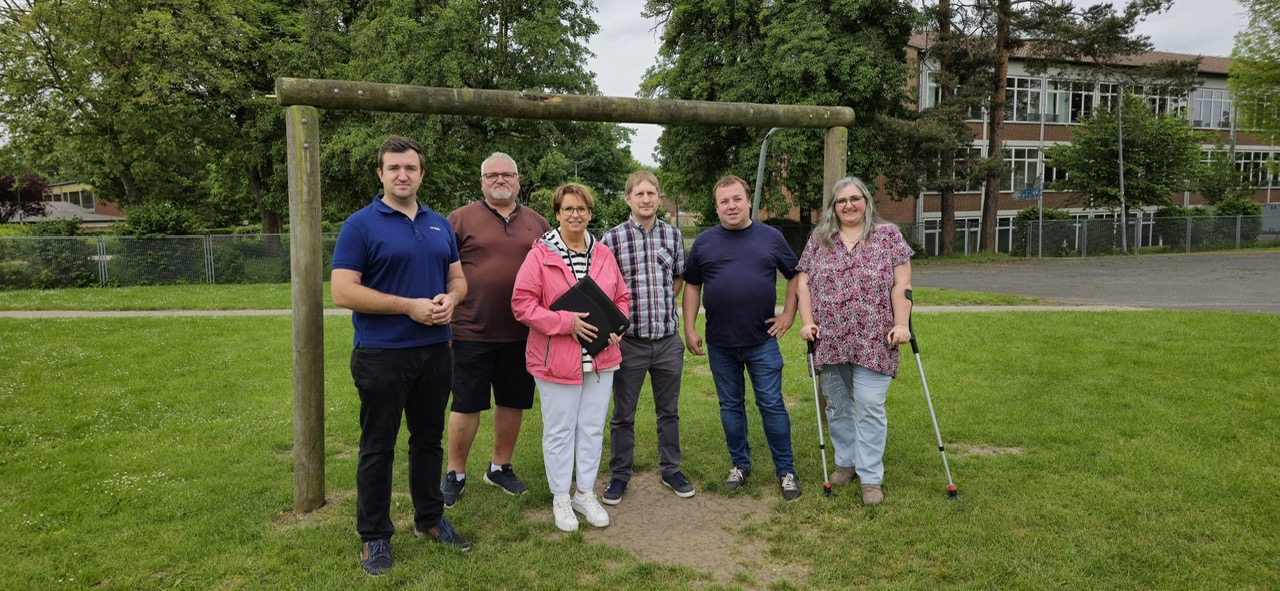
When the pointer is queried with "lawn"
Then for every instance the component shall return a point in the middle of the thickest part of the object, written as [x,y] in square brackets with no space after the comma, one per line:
[1117,450]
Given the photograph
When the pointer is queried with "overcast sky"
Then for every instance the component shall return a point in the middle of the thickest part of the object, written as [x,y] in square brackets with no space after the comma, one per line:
[627,44]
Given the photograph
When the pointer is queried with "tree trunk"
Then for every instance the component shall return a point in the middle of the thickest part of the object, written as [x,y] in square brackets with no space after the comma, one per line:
[946,170]
[995,126]
[257,190]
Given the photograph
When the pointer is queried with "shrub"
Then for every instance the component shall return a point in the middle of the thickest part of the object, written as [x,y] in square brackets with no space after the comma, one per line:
[1170,224]
[158,219]
[1058,234]
[1250,213]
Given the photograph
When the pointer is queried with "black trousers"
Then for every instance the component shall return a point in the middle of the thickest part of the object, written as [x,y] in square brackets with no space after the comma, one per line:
[413,383]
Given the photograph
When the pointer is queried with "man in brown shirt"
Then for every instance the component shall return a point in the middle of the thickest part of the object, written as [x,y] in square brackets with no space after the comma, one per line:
[494,235]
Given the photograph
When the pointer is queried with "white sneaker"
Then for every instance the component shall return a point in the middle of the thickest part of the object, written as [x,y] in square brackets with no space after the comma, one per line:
[591,509]
[563,511]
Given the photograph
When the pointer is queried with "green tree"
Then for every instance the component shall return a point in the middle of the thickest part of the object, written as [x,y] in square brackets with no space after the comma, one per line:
[805,52]
[1219,179]
[536,46]
[1161,156]
[1255,67]
[114,93]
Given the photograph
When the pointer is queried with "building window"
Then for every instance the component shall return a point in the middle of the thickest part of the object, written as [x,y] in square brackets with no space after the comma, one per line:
[1024,164]
[1069,102]
[1252,165]
[1022,99]
[1210,109]
[1107,93]
[1161,102]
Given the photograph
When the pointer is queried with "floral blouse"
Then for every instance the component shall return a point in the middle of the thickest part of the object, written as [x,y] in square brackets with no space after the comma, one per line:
[850,291]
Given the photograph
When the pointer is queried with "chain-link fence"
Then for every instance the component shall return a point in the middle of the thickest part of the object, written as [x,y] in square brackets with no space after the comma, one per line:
[45,262]
[1096,237]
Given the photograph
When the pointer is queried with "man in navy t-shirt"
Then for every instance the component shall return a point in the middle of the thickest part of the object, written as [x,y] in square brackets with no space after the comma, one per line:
[732,273]
[396,267]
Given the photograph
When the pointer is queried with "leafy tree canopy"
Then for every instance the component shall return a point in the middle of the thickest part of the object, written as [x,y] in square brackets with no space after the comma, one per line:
[1161,156]
[1255,67]
[803,52]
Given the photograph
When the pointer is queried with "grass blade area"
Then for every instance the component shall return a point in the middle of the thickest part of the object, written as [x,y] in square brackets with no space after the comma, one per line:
[276,296]
[1117,450]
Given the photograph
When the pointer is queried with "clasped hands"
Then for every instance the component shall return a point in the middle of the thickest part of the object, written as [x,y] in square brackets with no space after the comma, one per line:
[434,311]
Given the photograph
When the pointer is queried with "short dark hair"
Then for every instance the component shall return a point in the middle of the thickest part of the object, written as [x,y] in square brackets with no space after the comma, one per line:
[397,144]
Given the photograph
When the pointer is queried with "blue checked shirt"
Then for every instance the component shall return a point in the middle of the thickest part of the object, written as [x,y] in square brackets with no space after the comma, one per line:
[650,262]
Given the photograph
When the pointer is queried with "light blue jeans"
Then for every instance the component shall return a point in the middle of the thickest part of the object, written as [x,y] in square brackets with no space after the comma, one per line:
[856,417]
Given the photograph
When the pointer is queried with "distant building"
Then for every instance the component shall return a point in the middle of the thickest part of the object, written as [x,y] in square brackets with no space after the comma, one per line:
[1042,110]
[77,200]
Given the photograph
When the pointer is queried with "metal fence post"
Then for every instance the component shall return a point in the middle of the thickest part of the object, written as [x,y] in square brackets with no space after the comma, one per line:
[1189,221]
[1238,219]
[1084,237]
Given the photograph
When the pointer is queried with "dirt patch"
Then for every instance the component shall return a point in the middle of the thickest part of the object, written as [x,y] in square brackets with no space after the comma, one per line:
[711,536]
[327,514]
[962,450]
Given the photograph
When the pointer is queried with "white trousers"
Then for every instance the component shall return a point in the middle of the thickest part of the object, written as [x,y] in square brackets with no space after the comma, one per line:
[573,417]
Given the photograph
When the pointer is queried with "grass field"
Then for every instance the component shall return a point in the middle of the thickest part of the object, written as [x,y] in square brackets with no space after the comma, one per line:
[1115,450]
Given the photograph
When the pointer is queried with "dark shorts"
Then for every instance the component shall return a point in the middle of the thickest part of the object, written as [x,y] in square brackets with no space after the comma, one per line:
[478,367]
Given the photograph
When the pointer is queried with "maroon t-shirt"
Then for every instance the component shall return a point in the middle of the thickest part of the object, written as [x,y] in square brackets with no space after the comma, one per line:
[492,250]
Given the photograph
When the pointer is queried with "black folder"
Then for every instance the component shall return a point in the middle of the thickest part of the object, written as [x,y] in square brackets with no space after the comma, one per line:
[586,296]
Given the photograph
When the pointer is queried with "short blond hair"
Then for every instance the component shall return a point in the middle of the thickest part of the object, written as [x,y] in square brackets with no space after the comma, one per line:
[641,176]
[578,189]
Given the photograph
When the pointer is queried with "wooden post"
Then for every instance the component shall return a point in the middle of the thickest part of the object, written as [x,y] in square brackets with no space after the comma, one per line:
[835,159]
[302,133]
[369,96]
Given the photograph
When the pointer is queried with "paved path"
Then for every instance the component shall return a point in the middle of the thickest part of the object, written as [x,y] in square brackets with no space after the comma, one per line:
[1234,281]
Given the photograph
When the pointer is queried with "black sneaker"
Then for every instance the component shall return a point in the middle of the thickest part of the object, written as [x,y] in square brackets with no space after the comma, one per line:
[443,533]
[613,494]
[505,479]
[451,488]
[737,476]
[375,557]
[790,489]
[678,483]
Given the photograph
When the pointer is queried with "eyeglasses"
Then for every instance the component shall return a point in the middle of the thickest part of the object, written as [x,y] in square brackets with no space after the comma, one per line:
[579,210]
[843,201]
[493,176]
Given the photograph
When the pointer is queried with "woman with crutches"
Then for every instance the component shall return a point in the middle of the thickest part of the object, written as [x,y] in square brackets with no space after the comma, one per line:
[854,275]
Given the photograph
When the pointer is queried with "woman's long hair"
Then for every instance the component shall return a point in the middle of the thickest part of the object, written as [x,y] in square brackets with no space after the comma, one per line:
[829,223]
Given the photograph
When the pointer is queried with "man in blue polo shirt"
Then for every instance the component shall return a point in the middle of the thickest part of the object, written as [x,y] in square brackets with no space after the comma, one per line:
[396,267]
[732,272]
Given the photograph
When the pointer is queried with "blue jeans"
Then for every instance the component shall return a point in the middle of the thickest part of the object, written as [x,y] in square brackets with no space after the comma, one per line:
[763,363]
[856,417]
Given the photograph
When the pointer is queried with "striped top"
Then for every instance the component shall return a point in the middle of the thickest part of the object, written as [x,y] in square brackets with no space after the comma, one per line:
[579,263]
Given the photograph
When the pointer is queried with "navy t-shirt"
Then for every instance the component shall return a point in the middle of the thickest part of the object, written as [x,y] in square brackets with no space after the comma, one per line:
[737,270]
[397,256]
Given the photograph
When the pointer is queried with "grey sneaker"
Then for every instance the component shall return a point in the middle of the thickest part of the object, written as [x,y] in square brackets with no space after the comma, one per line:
[790,489]
[443,533]
[451,488]
[872,495]
[737,476]
[505,479]
[678,483]
[613,494]
[375,557]
[843,476]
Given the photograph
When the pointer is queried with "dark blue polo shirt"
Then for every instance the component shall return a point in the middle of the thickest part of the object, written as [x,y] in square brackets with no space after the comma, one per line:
[738,271]
[397,256]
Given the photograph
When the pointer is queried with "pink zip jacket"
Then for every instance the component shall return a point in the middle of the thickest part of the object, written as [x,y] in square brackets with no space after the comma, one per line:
[552,354]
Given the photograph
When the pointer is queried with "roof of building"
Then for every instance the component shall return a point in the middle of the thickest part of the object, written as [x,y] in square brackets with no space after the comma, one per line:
[1208,64]
[61,210]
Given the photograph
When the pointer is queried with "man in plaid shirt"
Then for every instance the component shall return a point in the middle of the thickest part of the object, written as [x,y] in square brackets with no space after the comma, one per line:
[651,256]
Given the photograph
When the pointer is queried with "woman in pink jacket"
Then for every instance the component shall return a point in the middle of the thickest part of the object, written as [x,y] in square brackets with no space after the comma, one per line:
[573,386]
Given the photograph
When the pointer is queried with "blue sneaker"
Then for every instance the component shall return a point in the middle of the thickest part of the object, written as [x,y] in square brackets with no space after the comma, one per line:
[613,494]
[443,533]
[451,488]
[505,478]
[375,557]
[678,483]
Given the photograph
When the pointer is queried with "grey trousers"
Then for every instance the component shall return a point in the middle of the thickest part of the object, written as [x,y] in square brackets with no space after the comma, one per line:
[663,360]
